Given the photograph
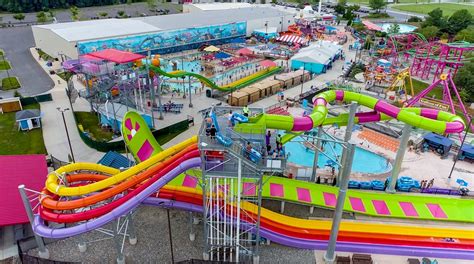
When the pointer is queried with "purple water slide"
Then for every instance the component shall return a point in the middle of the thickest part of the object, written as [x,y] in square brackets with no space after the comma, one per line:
[322,245]
[45,231]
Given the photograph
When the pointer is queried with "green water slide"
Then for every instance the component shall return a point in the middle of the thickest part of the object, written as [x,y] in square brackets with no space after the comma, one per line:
[230,87]
[373,203]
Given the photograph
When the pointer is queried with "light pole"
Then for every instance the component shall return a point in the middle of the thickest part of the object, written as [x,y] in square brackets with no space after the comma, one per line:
[462,143]
[302,79]
[189,84]
[67,132]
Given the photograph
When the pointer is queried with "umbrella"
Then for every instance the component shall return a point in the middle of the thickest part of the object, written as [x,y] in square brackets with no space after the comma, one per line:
[244,51]
[462,182]
[267,63]
[212,49]
[221,55]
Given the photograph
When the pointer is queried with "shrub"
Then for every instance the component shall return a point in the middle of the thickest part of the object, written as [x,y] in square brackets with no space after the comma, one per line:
[378,15]
[414,19]
[4,65]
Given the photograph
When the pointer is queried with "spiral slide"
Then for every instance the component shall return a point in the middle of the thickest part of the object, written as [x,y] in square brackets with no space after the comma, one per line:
[232,86]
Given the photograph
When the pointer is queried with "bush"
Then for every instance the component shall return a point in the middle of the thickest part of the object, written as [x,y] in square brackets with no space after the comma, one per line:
[4,65]
[414,19]
[10,83]
[66,75]
[378,15]
[44,55]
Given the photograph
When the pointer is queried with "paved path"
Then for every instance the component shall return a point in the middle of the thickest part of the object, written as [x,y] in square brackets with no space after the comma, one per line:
[16,43]
[54,134]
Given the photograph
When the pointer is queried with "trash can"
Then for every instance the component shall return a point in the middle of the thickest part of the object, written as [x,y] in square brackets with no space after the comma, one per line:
[208,93]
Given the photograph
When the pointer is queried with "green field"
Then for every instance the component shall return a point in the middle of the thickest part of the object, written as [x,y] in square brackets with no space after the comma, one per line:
[16,142]
[448,8]
[10,83]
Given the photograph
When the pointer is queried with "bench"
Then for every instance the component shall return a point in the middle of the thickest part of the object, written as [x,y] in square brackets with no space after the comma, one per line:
[362,259]
[343,260]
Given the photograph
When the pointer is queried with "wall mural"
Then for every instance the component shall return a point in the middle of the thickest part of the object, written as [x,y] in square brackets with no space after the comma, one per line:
[166,39]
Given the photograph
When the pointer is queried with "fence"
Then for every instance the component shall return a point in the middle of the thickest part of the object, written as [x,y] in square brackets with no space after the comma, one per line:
[160,135]
[36,99]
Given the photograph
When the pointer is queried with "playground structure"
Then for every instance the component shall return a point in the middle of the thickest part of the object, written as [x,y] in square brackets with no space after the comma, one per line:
[399,85]
[230,174]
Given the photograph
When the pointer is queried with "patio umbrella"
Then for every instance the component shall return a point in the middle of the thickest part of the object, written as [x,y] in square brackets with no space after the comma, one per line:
[211,49]
[267,63]
[221,55]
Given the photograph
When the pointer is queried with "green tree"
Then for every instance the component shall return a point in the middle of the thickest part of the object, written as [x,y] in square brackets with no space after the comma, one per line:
[377,5]
[151,4]
[394,28]
[435,18]
[129,2]
[459,20]
[75,13]
[342,2]
[464,81]
[41,17]
[466,34]
[19,16]
[103,14]
[429,32]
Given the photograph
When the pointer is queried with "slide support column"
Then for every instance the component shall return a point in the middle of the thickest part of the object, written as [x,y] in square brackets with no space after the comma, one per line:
[316,154]
[42,250]
[399,158]
[347,137]
[341,197]
[149,83]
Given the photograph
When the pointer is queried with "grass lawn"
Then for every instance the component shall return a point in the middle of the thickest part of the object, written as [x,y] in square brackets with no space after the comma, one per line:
[10,83]
[419,86]
[4,65]
[14,142]
[90,124]
[448,8]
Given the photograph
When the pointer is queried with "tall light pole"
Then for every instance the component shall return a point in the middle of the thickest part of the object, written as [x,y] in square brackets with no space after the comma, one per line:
[67,132]
[189,84]
[462,143]
[302,79]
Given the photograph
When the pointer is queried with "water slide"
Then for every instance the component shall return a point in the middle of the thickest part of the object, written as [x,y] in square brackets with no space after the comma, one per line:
[429,119]
[229,87]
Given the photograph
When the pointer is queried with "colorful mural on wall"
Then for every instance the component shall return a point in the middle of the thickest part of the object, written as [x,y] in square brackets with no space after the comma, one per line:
[166,39]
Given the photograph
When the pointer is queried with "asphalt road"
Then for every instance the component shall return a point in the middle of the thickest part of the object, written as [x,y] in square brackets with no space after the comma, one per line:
[16,42]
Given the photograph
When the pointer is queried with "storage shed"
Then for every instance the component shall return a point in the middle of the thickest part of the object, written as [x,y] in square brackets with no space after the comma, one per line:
[28,119]
[253,92]
[238,98]
[10,105]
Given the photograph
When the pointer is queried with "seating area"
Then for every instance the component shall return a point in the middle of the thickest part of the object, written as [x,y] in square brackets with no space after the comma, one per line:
[367,185]
[170,108]
[278,111]
[379,139]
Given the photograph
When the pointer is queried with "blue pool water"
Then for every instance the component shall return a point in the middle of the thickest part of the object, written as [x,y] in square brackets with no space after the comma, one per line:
[364,161]
[404,28]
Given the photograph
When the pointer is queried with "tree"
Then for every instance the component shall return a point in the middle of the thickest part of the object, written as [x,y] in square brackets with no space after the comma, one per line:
[466,34]
[19,16]
[435,18]
[151,4]
[75,13]
[129,2]
[458,21]
[394,28]
[103,14]
[377,5]
[342,2]
[429,32]
[41,17]
[464,81]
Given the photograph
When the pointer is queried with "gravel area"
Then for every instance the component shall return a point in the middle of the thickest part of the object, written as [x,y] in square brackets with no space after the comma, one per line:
[153,243]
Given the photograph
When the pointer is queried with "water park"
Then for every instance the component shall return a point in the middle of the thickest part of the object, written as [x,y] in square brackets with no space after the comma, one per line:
[304,141]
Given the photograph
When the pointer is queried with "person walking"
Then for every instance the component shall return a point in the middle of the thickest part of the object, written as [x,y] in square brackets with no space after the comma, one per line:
[212,132]
[267,140]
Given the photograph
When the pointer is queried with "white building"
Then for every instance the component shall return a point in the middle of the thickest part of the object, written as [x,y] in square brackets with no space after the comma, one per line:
[70,39]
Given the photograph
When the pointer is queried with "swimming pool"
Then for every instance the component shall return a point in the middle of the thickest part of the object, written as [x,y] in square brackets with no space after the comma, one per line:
[404,28]
[364,161]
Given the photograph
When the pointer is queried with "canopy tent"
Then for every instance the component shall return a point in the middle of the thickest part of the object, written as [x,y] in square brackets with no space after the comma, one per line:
[244,51]
[267,63]
[212,49]
[266,32]
[114,55]
[221,55]
[291,39]
[316,58]
[371,26]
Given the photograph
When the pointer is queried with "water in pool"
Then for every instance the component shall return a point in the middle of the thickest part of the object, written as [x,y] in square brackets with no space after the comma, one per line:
[364,161]
[404,28]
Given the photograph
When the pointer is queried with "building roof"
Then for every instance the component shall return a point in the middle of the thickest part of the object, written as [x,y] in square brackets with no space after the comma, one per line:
[221,6]
[115,160]
[97,29]
[114,55]
[27,114]
[444,141]
[30,170]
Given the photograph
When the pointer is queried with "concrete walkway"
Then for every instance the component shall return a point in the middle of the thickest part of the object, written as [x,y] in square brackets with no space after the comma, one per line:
[54,134]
